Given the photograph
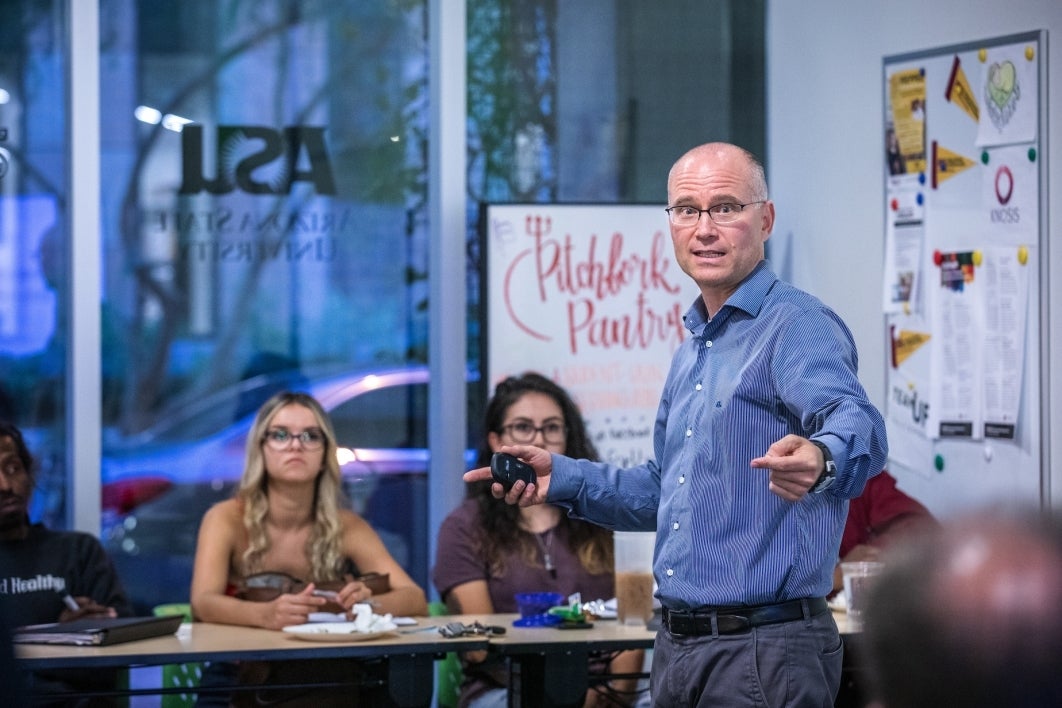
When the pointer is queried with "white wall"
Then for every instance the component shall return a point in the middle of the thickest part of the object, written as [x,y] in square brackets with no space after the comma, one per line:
[824,107]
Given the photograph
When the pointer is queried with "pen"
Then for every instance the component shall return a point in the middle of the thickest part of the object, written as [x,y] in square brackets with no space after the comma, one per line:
[427,628]
[71,603]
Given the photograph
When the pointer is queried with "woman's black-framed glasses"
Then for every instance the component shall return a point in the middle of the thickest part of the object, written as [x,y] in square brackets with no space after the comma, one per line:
[281,439]
[524,432]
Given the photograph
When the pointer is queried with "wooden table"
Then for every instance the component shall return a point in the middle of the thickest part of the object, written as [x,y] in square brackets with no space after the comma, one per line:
[550,666]
[409,654]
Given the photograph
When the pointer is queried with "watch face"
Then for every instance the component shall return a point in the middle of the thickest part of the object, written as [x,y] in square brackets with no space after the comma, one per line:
[826,480]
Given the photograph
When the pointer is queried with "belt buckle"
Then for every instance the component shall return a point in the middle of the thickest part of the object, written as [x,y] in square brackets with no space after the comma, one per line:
[682,623]
[732,624]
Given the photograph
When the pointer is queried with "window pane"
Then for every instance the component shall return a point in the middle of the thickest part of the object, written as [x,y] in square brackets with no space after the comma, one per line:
[264,228]
[393,417]
[34,241]
[594,100]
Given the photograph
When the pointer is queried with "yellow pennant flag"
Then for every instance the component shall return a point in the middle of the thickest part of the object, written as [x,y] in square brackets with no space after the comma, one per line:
[948,164]
[906,343]
[959,93]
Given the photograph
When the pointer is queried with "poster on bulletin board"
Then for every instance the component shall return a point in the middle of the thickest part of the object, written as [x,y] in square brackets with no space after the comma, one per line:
[591,296]
[963,179]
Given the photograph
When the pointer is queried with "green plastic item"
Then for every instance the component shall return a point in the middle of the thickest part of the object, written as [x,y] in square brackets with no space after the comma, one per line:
[572,613]
[179,675]
[448,672]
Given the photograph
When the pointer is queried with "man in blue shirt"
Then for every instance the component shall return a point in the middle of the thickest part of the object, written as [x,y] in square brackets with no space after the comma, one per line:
[762,436]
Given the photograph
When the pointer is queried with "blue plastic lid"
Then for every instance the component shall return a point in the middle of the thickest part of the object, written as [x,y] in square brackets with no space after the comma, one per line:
[547,598]
[545,620]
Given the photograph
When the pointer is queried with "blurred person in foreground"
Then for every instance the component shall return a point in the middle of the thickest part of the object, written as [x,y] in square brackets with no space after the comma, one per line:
[970,615]
[762,436]
[488,551]
[44,572]
[878,518]
[286,523]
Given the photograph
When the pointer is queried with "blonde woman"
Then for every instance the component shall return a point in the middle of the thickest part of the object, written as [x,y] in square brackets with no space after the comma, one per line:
[286,523]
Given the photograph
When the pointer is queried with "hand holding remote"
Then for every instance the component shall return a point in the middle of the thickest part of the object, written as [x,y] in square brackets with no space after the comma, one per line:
[506,470]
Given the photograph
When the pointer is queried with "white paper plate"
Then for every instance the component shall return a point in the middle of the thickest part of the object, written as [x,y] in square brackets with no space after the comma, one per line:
[334,632]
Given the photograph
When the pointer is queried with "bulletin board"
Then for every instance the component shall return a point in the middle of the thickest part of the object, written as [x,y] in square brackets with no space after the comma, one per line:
[965,264]
[591,296]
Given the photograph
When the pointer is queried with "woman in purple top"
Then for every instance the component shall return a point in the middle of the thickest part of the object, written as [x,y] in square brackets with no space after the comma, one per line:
[488,551]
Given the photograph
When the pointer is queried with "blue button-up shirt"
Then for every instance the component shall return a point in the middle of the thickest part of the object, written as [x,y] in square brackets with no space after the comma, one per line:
[773,361]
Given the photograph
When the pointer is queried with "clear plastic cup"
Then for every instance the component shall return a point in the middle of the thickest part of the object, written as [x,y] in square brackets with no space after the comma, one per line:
[634,576]
[858,577]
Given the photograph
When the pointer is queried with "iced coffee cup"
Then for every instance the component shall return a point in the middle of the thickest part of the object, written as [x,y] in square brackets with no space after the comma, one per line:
[634,576]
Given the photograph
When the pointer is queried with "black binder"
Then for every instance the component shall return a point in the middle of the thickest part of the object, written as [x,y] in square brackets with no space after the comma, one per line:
[99,631]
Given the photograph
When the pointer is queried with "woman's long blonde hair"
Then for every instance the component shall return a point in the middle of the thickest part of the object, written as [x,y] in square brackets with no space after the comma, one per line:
[324,545]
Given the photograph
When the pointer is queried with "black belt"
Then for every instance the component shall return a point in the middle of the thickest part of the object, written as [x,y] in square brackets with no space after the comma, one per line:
[733,620]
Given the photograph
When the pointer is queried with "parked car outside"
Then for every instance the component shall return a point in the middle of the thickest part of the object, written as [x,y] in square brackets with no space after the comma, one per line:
[158,484]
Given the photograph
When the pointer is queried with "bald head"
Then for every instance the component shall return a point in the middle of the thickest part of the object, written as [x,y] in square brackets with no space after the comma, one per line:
[710,154]
[1002,571]
[971,616]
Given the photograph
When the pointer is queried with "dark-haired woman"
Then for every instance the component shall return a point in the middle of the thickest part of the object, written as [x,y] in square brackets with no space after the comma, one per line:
[489,550]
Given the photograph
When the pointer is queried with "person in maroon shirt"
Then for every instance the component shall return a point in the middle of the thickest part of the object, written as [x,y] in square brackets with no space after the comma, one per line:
[876,518]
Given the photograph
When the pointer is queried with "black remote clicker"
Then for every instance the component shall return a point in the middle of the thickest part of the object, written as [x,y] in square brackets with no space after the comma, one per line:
[507,469]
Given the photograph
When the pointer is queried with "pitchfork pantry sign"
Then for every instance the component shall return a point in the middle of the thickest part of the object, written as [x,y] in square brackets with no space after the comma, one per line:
[591,296]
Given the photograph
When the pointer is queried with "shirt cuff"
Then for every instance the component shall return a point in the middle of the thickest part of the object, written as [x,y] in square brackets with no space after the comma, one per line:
[564,480]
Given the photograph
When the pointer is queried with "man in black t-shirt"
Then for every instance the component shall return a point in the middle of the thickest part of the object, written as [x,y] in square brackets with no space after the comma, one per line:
[45,573]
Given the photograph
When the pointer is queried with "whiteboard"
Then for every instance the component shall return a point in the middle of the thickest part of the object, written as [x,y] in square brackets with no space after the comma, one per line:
[591,296]
[965,264]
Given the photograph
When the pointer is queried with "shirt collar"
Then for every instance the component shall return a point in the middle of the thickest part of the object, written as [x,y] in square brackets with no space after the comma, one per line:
[748,297]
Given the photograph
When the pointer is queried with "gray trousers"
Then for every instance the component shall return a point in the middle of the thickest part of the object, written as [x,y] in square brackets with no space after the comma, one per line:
[790,664]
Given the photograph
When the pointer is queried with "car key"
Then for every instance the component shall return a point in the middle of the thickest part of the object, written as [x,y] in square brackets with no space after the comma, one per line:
[507,469]
[452,630]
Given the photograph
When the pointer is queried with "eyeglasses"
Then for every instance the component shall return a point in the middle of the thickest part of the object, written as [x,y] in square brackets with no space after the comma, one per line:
[281,438]
[524,431]
[724,213]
